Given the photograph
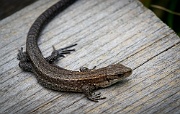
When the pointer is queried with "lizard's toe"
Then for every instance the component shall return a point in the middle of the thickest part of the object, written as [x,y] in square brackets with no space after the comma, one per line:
[96,96]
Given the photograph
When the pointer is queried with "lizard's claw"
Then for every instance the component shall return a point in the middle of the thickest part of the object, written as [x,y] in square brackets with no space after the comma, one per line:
[65,50]
[22,56]
[96,96]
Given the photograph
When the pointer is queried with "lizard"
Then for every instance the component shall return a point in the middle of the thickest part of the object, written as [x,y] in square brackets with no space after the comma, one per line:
[57,78]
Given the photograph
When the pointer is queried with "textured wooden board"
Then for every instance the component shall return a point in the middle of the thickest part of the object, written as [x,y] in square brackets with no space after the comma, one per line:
[107,32]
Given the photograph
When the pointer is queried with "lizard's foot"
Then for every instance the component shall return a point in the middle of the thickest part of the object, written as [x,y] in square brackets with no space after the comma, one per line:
[60,53]
[22,56]
[96,96]
[24,63]
[88,91]
[85,69]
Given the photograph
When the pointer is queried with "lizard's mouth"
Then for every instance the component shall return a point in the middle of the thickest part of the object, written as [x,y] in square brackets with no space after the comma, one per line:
[124,75]
[128,73]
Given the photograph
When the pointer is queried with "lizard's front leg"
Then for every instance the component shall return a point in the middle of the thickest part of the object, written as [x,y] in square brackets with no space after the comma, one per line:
[90,94]
[85,69]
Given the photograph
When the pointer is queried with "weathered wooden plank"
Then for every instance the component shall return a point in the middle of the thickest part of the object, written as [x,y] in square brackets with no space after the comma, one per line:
[166,105]
[165,90]
[174,110]
[141,85]
[10,24]
[107,32]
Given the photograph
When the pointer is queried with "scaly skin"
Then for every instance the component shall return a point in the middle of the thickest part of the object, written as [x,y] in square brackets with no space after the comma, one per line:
[57,78]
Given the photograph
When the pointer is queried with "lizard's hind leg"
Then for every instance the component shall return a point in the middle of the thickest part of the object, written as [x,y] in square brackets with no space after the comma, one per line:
[25,63]
[59,53]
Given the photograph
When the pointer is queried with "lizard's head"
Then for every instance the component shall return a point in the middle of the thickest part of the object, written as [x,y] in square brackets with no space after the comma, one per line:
[116,73]
[118,70]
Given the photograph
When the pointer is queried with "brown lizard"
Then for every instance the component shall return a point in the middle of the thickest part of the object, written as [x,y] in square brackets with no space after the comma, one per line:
[57,78]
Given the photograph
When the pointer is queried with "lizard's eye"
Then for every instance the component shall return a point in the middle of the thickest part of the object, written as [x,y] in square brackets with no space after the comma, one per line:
[120,75]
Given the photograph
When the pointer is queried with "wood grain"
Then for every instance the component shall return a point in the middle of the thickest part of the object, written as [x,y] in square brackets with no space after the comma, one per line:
[107,32]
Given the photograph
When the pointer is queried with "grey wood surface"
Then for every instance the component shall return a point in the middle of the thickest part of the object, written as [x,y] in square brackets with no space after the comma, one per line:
[107,32]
